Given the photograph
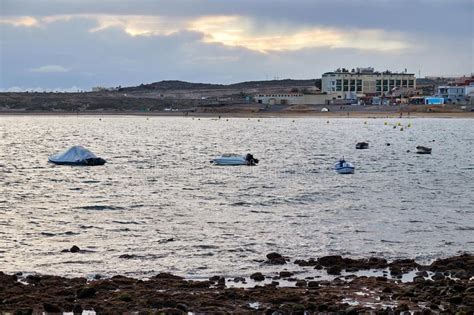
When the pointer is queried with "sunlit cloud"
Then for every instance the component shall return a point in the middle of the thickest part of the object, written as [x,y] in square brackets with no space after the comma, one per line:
[238,31]
[26,21]
[241,31]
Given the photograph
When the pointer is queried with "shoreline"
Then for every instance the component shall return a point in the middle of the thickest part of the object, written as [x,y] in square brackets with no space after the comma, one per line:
[245,114]
[445,285]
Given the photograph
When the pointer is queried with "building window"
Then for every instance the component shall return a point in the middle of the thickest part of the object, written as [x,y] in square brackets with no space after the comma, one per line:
[385,82]
[404,82]
[398,82]
[378,88]
[346,88]
[391,82]
[359,88]
[379,82]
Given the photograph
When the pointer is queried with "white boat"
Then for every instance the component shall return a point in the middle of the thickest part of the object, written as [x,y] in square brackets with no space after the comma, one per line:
[76,155]
[235,159]
[423,150]
[343,167]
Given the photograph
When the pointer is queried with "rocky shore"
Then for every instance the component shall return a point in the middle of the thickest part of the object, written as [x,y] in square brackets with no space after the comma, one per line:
[445,286]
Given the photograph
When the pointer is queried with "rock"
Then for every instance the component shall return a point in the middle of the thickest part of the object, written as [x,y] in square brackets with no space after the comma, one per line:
[418,279]
[170,311]
[275,259]
[86,292]
[313,284]
[75,249]
[50,308]
[23,311]
[301,283]
[327,261]
[334,270]
[437,276]
[257,276]
[239,279]
[387,290]
[221,282]
[77,309]
[127,256]
[422,273]
[456,299]
[285,274]
[274,256]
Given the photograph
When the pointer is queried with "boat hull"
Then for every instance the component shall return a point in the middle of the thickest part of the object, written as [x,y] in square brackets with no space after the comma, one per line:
[345,170]
[229,162]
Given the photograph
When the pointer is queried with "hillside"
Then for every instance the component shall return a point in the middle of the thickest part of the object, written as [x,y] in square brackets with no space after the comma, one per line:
[176,85]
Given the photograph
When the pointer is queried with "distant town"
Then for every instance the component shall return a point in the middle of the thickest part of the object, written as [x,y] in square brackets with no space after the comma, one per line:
[357,89]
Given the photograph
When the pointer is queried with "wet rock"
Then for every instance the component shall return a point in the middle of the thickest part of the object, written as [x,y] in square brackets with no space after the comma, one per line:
[170,311]
[328,261]
[438,276]
[77,309]
[51,308]
[275,259]
[23,311]
[456,299]
[418,279]
[422,273]
[75,249]
[257,276]
[313,284]
[334,270]
[301,283]
[33,279]
[86,292]
[304,263]
[285,274]
[239,279]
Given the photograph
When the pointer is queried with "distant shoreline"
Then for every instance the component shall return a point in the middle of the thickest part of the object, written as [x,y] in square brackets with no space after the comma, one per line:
[246,114]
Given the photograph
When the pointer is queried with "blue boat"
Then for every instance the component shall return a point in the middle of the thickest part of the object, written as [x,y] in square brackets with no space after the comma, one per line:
[343,167]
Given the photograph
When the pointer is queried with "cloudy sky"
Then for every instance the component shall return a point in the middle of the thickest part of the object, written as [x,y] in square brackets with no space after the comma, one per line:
[78,44]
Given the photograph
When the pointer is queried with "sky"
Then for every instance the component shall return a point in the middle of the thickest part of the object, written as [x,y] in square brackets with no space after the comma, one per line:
[78,44]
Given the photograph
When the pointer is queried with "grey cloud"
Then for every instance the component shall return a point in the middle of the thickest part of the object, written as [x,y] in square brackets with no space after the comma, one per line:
[111,57]
[421,16]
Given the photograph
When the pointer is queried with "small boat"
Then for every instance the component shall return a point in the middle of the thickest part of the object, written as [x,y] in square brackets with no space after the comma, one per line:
[362,145]
[76,155]
[423,150]
[343,167]
[235,159]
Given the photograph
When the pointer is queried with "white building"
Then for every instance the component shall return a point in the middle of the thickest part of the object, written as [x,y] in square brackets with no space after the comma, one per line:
[347,84]
[454,94]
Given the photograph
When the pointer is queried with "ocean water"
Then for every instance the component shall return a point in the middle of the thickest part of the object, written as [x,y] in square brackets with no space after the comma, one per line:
[158,205]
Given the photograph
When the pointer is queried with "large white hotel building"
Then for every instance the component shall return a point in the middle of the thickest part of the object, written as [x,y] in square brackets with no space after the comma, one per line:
[347,84]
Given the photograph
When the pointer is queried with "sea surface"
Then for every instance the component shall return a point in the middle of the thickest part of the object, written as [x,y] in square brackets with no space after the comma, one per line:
[158,205]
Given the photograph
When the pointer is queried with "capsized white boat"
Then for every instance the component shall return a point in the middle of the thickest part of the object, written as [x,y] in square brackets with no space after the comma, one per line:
[343,167]
[235,159]
[76,155]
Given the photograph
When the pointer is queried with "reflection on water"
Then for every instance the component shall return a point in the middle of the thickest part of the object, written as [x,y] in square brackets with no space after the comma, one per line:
[159,205]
